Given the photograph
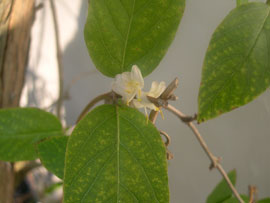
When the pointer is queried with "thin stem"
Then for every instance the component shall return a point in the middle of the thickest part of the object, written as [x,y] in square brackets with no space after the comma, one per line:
[167,143]
[168,138]
[153,116]
[76,79]
[59,60]
[166,95]
[92,103]
[252,194]
[214,159]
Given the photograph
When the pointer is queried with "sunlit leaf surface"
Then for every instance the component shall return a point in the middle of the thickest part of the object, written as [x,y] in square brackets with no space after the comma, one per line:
[121,33]
[113,155]
[237,64]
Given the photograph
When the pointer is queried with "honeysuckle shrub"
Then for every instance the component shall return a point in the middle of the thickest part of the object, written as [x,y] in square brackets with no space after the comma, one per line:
[115,154]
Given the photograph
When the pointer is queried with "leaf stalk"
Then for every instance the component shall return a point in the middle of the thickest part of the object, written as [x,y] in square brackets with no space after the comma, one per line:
[215,160]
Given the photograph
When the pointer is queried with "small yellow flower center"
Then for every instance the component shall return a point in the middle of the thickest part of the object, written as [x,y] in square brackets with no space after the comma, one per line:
[132,86]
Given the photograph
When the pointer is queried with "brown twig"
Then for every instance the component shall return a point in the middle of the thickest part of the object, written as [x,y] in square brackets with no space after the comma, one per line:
[169,155]
[167,143]
[153,116]
[252,193]
[168,139]
[59,60]
[215,160]
[168,92]
[163,99]
[93,102]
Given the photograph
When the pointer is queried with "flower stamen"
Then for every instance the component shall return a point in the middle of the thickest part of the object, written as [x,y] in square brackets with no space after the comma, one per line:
[129,85]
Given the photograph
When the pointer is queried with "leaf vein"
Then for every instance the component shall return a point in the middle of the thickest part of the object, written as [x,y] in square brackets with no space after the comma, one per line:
[140,133]
[97,176]
[87,163]
[143,169]
[88,137]
[103,41]
[113,22]
[127,36]
[132,194]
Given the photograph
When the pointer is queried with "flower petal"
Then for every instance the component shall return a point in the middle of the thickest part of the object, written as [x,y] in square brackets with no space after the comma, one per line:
[143,102]
[136,75]
[117,85]
[125,77]
[128,97]
[129,84]
[152,106]
[157,89]
[137,104]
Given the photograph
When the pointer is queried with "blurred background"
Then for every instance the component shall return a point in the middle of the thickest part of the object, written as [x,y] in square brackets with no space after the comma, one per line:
[241,137]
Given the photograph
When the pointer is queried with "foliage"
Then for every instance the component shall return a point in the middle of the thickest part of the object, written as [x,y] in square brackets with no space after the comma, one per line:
[119,158]
[266,200]
[235,200]
[121,33]
[236,67]
[114,153]
[222,191]
[239,2]
[21,129]
[53,187]
[52,153]
[223,194]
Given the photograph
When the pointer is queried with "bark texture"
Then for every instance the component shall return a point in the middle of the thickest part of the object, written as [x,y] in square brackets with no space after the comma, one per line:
[16,17]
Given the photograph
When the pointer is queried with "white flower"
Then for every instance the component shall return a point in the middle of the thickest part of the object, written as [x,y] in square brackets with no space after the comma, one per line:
[129,84]
[143,102]
[156,90]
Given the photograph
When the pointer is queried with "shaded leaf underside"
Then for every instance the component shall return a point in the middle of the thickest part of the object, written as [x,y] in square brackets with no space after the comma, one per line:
[21,128]
[52,154]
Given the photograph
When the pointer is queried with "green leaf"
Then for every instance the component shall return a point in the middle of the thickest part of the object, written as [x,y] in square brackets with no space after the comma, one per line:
[52,154]
[121,33]
[53,187]
[113,155]
[237,65]
[21,128]
[240,2]
[222,191]
[234,200]
[266,200]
